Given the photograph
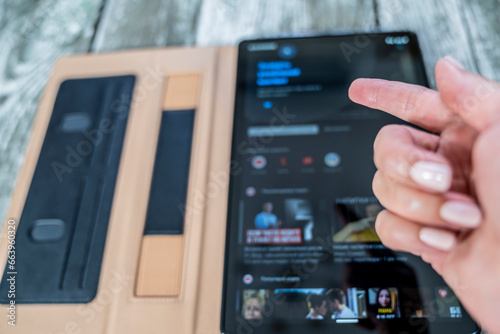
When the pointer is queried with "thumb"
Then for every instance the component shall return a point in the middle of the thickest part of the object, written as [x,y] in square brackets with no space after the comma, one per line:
[475,99]
[486,169]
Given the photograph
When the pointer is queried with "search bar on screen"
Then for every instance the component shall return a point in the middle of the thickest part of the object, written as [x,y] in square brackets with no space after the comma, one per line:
[283,130]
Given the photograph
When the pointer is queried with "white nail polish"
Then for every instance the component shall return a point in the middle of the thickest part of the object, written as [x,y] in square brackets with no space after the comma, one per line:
[431,175]
[439,239]
[461,213]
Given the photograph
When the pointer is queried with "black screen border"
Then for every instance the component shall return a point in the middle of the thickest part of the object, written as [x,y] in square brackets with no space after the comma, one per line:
[396,325]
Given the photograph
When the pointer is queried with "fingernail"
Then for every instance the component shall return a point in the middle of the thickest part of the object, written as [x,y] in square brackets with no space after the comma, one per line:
[454,62]
[431,175]
[463,214]
[439,239]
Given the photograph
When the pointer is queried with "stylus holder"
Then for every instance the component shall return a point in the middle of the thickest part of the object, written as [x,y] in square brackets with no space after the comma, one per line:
[62,231]
[162,251]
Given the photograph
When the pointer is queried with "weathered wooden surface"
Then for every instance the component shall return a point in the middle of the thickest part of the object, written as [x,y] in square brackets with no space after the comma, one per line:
[437,23]
[225,22]
[482,19]
[34,33]
[138,24]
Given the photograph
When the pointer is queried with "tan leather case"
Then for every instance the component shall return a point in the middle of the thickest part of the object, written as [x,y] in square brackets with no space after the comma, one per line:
[117,307]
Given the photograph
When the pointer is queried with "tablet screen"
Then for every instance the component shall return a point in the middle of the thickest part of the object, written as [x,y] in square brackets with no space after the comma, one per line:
[302,254]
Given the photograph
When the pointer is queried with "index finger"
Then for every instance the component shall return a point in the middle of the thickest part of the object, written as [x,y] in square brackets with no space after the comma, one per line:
[412,103]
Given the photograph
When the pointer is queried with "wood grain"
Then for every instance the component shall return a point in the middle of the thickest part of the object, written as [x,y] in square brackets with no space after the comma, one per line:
[226,22]
[33,34]
[482,20]
[136,23]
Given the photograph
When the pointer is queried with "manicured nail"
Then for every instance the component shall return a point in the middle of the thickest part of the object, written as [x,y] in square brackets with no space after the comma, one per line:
[439,239]
[431,175]
[454,62]
[460,213]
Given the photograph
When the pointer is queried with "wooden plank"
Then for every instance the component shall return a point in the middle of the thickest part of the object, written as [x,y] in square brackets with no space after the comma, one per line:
[225,22]
[438,25]
[33,34]
[482,19]
[135,23]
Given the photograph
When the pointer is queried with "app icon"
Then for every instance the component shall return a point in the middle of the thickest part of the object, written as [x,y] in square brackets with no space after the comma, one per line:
[287,51]
[283,162]
[332,159]
[259,162]
[248,279]
[267,104]
[307,161]
[250,191]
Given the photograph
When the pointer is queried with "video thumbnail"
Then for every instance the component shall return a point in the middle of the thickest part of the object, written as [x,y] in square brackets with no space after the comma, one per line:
[425,302]
[319,304]
[384,302]
[354,221]
[447,304]
[289,221]
[254,302]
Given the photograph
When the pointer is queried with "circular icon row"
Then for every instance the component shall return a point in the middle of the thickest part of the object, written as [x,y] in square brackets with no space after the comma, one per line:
[331,160]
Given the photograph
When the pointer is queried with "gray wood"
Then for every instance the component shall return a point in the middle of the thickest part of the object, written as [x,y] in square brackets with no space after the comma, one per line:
[438,25]
[136,23]
[482,18]
[225,22]
[33,35]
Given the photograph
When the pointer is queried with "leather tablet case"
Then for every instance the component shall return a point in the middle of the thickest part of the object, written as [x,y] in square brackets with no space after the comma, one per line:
[120,206]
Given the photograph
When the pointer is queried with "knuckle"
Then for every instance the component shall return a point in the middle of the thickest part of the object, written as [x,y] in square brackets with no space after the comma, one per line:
[377,93]
[379,146]
[415,156]
[393,233]
[410,100]
[394,152]
[384,189]
[486,144]
[378,186]
[383,225]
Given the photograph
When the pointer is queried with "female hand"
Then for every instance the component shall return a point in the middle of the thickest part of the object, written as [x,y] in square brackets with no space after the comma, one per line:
[442,190]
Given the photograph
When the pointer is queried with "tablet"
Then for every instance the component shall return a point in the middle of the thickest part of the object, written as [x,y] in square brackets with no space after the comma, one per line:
[302,254]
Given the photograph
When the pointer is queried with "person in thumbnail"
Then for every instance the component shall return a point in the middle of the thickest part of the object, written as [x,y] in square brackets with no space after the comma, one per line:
[384,301]
[252,307]
[317,306]
[384,298]
[362,230]
[267,219]
[336,305]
